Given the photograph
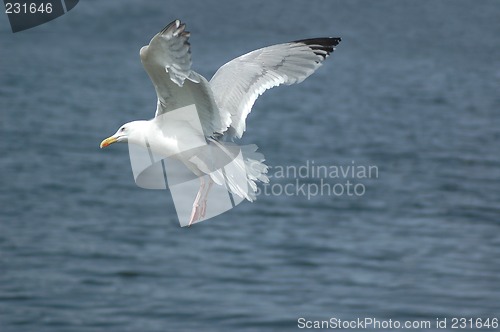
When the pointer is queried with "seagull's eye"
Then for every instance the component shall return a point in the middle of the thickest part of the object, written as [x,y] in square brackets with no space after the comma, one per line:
[122,129]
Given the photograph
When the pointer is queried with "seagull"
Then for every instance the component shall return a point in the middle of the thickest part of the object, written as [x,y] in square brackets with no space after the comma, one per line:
[222,104]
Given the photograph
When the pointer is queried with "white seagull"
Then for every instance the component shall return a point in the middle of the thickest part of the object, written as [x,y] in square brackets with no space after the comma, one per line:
[223,103]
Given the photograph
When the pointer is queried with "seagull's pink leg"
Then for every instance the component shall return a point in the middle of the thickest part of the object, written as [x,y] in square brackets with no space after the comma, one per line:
[205,198]
[195,213]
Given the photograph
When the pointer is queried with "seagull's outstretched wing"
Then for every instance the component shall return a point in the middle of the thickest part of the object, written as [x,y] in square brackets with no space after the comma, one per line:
[238,83]
[167,60]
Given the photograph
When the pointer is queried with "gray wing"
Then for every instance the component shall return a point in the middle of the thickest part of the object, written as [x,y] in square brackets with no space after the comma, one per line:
[167,60]
[238,83]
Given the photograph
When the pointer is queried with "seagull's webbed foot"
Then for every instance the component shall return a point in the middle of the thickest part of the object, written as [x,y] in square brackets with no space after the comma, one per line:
[200,203]
[195,213]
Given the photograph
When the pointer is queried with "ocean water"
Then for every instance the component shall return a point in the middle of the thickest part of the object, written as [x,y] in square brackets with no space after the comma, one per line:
[413,90]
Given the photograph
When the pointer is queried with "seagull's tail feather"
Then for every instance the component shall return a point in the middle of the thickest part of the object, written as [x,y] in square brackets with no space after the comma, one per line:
[242,170]
[255,168]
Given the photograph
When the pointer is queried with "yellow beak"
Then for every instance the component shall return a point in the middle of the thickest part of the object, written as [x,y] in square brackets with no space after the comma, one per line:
[108,141]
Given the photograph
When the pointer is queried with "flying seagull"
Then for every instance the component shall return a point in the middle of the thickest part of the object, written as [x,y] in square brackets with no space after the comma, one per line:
[222,104]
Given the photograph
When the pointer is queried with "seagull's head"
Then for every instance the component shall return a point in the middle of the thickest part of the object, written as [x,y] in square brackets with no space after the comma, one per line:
[125,133]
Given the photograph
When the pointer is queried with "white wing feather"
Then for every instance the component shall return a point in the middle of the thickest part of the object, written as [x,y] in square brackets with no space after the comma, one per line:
[167,60]
[238,83]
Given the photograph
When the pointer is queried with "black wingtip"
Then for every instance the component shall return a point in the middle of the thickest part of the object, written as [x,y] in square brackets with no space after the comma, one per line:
[171,25]
[321,46]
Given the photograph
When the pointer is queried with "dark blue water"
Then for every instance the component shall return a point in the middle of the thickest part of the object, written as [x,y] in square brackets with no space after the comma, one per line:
[412,88]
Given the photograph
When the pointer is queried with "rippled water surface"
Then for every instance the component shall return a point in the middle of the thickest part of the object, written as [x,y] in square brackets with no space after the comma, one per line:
[412,89]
